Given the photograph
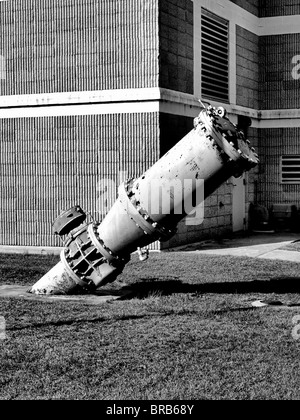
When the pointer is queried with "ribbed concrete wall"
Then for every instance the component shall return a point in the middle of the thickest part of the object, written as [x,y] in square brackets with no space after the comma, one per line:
[279,89]
[275,143]
[78,45]
[50,164]
[270,8]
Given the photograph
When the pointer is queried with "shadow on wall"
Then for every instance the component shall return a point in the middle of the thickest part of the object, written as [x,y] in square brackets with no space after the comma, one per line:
[279,218]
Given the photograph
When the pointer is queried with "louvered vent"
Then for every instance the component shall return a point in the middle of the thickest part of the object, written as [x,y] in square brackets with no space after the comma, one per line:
[215,57]
[291,169]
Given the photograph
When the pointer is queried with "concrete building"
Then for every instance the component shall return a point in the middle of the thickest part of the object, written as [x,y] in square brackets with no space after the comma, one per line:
[92,91]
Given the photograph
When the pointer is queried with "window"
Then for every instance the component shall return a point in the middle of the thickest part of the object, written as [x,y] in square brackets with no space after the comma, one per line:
[290,169]
[215,57]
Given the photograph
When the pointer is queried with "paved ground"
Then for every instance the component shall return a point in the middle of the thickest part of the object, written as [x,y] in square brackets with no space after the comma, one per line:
[260,245]
[13,291]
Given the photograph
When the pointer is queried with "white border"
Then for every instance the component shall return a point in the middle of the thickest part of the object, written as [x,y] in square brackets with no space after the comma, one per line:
[71,110]
[279,25]
[73,98]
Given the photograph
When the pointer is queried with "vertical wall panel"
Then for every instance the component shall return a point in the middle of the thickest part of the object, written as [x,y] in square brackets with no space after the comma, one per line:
[269,8]
[176,19]
[247,46]
[279,89]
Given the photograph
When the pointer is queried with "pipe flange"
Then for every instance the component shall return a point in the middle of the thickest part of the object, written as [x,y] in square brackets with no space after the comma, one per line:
[141,216]
[112,258]
[229,139]
[80,282]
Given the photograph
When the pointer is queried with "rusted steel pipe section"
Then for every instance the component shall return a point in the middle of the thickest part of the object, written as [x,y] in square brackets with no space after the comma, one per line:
[96,253]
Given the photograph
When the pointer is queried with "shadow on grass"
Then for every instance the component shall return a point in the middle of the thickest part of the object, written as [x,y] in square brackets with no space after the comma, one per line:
[155,287]
[84,320]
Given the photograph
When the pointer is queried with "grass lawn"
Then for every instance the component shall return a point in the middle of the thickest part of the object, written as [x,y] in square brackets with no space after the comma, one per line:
[187,332]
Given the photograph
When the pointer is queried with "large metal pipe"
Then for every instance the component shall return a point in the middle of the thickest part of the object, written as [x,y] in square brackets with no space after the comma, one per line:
[96,253]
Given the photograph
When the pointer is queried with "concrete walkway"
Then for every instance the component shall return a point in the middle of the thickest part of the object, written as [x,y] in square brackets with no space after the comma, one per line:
[266,246]
[97,298]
